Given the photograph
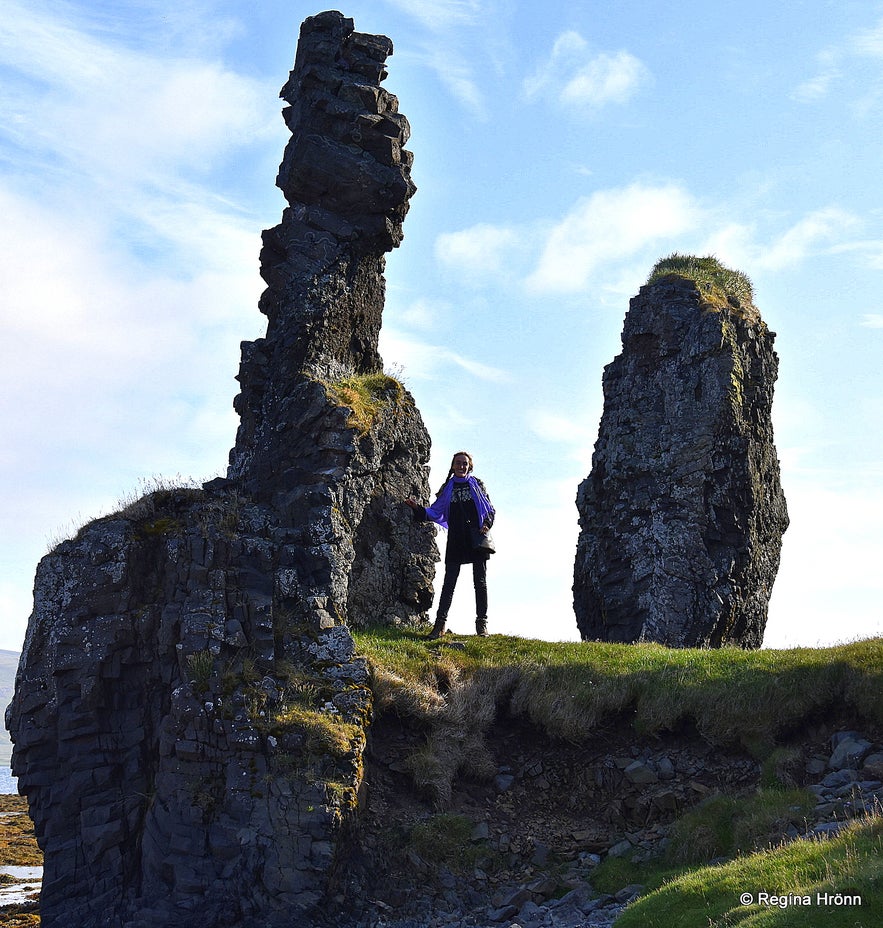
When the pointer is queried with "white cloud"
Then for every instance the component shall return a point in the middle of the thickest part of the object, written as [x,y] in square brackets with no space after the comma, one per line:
[610,226]
[441,14]
[120,115]
[870,42]
[450,24]
[125,288]
[421,313]
[873,320]
[605,79]
[480,251]
[560,428]
[818,232]
[839,62]
[425,361]
[805,237]
[577,77]
[816,88]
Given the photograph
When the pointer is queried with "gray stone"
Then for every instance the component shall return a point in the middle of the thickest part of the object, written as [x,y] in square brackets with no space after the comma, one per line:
[849,752]
[621,848]
[873,765]
[666,769]
[838,778]
[629,893]
[640,774]
[503,782]
[682,515]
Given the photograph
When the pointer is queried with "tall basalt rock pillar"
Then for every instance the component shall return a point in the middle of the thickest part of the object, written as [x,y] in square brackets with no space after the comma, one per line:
[682,515]
[346,176]
[190,714]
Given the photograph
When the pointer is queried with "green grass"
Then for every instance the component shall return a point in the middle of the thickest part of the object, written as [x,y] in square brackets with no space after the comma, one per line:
[366,396]
[719,284]
[571,690]
[850,864]
[726,826]
[446,840]
[757,699]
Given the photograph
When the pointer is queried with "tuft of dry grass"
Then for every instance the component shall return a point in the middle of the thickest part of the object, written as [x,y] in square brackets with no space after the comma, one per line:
[366,396]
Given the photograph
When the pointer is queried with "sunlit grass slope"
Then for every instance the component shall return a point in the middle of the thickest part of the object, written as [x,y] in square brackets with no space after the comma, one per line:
[829,883]
[570,688]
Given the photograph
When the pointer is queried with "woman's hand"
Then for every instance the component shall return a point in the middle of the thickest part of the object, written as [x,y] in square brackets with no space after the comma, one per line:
[412,503]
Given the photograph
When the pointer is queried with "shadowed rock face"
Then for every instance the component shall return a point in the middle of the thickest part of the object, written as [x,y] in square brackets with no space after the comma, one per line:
[189,715]
[682,515]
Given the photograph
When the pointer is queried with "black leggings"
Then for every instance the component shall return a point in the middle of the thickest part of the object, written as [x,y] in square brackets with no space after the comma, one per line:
[479,577]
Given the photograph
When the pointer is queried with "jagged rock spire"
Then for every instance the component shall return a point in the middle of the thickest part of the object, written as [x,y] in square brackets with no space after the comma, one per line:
[347,179]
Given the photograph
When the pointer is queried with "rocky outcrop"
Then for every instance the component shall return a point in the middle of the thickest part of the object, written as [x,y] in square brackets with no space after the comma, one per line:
[190,715]
[682,515]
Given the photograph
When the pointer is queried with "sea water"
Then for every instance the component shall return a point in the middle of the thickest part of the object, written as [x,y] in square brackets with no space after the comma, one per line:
[8,783]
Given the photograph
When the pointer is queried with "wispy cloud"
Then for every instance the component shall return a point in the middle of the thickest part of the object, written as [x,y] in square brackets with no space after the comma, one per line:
[806,236]
[822,231]
[450,26]
[870,41]
[820,84]
[836,63]
[441,14]
[480,251]
[127,259]
[576,76]
[872,320]
[609,226]
[424,360]
[121,114]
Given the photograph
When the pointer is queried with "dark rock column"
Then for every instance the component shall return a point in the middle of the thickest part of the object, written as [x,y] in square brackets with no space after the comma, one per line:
[190,715]
[682,515]
[346,177]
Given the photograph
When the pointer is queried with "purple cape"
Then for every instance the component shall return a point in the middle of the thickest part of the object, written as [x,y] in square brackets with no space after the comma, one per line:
[438,511]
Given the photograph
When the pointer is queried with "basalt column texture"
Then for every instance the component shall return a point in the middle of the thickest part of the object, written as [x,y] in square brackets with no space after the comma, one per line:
[682,515]
[346,177]
[190,714]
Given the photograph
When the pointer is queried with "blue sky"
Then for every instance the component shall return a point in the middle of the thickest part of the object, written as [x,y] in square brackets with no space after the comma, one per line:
[560,150]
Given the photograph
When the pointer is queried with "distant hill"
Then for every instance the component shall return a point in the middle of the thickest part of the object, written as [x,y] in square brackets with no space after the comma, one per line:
[8,667]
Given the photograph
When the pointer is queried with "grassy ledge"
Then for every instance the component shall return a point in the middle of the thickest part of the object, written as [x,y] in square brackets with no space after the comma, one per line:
[720,285]
[571,689]
[727,861]
[366,396]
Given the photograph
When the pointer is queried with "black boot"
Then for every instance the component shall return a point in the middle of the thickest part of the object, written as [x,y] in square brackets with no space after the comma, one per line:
[438,629]
[481,626]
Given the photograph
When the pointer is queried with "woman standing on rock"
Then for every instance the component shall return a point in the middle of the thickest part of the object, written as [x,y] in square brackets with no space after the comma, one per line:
[462,507]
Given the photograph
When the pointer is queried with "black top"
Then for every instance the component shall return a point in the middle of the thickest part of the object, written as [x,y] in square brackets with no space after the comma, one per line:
[463,526]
